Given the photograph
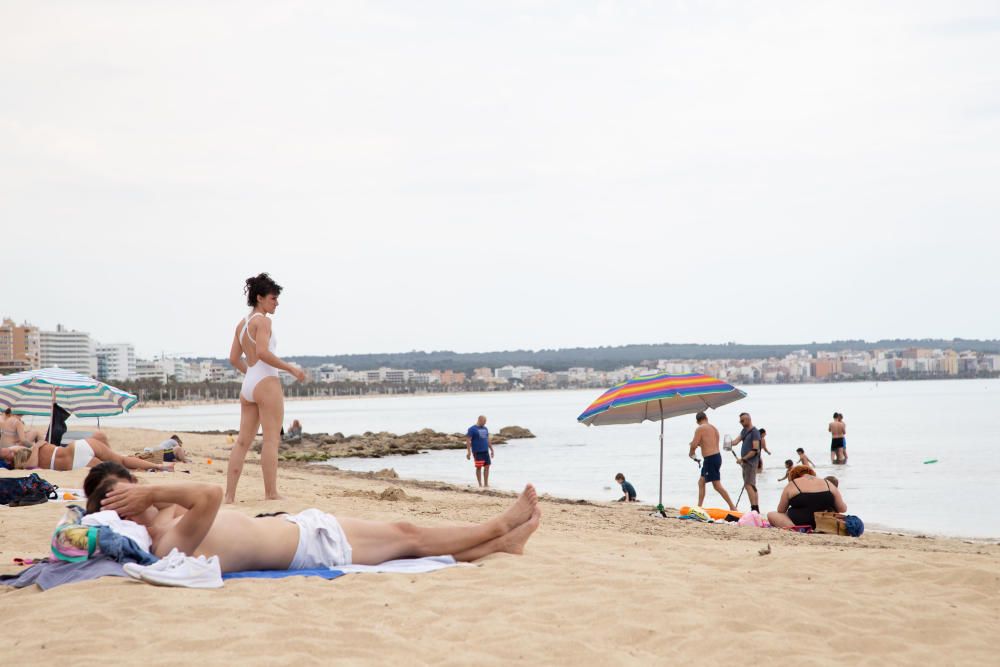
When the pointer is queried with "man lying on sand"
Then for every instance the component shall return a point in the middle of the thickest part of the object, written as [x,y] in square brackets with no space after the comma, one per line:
[188,517]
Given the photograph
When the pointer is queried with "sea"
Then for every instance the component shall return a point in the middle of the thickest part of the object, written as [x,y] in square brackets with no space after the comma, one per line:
[922,457]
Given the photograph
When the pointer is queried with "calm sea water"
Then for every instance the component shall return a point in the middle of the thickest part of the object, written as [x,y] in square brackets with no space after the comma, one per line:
[893,428]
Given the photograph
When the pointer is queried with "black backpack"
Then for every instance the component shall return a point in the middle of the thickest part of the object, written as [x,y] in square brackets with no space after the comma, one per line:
[30,490]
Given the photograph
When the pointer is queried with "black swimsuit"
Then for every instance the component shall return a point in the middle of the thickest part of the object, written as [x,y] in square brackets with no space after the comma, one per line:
[802,506]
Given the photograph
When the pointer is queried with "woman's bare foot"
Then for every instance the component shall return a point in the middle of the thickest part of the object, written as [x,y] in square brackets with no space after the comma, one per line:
[229,501]
[274,497]
[521,510]
[514,541]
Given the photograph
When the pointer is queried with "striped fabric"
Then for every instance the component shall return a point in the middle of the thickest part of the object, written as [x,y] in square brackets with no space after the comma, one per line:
[32,393]
[659,396]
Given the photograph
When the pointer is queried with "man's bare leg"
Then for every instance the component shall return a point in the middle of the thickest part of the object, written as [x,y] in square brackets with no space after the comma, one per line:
[701,492]
[479,475]
[374,542]
[486,475]
[512,543]
[722,492]
[751,493]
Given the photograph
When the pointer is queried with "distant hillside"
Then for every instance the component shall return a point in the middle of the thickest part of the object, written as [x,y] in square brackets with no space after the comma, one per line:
[608,358]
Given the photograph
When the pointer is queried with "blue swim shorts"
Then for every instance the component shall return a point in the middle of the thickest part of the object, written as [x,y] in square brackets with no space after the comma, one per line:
[711,467]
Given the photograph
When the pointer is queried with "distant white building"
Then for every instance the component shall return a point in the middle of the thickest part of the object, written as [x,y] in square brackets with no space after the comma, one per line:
[72,350]
[146,369]
[115,361]
[336,373]
[509,372]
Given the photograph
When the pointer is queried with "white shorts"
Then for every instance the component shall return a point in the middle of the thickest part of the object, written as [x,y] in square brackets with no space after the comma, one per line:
[322,542]
[82,454]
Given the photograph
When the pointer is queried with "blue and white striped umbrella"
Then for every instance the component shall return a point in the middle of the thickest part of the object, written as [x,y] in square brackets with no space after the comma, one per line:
[34,392]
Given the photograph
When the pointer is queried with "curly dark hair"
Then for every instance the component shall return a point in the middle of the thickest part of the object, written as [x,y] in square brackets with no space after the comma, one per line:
[260,285]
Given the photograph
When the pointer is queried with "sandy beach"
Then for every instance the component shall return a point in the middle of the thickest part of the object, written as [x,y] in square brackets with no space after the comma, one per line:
[598,584]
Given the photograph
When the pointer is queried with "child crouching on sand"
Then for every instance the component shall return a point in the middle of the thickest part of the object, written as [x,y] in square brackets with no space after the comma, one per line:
[627,489]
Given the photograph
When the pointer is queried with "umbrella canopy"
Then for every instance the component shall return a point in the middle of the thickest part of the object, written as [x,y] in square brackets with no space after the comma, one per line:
[34,393]
[659,396]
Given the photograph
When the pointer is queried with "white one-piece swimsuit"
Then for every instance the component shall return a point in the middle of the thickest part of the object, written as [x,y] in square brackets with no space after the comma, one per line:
[261,369]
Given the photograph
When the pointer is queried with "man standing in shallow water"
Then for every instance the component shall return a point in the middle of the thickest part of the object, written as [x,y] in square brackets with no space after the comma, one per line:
[838,439]
[706,436]
[478,446]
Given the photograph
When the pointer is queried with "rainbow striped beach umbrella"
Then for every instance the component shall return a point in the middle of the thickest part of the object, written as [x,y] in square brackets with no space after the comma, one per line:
[34,392]
[658,397]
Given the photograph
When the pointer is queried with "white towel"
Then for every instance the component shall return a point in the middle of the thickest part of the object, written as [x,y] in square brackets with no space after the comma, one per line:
[130,529]
[405,565]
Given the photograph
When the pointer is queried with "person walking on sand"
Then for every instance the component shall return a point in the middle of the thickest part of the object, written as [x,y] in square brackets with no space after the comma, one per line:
[749,453]
[706,436]
[478,445]
[262,402]
[838,439]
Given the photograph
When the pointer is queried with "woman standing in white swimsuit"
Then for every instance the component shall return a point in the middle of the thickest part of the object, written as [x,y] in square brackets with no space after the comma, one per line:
[262,402]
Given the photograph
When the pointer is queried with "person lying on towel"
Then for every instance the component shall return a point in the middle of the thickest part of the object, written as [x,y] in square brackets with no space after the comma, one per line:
[189,517]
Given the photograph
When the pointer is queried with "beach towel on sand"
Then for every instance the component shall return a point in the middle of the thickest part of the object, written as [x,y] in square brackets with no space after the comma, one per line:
[55,573]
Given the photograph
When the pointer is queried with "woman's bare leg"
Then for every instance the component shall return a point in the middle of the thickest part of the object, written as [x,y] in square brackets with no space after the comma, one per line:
[104,453]
[249,421]
[512,543]
[271,405]
[374,542]
[779,520]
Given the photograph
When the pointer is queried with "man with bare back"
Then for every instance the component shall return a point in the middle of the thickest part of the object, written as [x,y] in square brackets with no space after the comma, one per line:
[706,436]
[838,439]
[187,517]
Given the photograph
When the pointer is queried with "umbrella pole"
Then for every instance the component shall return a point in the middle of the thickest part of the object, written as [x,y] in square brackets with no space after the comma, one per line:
[52,416]
[659,507]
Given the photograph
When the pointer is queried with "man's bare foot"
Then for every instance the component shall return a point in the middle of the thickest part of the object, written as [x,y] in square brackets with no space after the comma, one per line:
[229,501]
[514,541]
[521,510]
[167,467]
[274,497]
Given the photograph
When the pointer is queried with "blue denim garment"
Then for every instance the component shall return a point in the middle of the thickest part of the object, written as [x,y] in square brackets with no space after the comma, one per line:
[121,548]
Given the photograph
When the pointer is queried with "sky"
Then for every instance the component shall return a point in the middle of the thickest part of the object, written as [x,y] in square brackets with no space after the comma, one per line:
[477,176]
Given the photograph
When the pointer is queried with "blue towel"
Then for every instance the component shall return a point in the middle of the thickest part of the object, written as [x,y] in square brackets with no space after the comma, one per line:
[281,574]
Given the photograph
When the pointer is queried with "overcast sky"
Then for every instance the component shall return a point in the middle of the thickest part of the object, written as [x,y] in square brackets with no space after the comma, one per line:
[481,176]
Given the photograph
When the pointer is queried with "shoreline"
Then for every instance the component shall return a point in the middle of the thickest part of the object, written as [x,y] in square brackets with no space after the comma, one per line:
[584,587]
[598,390]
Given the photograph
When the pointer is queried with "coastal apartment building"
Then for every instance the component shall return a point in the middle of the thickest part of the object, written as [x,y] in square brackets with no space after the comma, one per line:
[116,361]
[72,350]
[20,347]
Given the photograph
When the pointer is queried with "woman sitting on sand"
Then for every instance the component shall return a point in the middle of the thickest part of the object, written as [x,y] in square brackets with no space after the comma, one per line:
[13,431]
[805,495]
[77,454]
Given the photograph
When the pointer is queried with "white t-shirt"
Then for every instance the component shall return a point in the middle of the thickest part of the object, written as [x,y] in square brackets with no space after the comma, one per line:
[169,443]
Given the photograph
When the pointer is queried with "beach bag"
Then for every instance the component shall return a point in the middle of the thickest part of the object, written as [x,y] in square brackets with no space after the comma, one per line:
[29,490]
[839,524]
[753,518]
[72,541]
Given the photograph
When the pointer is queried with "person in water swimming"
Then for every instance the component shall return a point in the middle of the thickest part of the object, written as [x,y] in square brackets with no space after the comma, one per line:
[188,517]
[262,402]
[80,453]
[805,495]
